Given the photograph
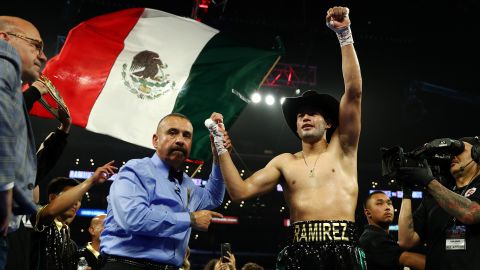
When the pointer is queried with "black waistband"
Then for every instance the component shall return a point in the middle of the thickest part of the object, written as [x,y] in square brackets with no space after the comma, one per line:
[140,263]
[323,231]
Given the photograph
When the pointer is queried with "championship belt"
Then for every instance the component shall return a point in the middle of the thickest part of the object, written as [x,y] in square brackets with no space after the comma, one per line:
[55,96]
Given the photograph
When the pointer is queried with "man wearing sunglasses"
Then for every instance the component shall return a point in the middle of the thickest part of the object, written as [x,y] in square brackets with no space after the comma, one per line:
[21,59]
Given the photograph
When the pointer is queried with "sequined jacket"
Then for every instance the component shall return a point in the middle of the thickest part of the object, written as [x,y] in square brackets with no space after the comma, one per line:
[57,250]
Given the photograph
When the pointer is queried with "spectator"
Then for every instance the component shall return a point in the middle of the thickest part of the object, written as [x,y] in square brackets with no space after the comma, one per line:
[91,251]
[251,266]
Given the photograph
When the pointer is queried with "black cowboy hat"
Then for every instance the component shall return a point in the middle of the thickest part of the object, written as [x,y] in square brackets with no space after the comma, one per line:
[327,105]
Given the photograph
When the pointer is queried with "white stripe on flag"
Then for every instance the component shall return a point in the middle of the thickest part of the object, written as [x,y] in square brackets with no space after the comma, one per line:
[178,41]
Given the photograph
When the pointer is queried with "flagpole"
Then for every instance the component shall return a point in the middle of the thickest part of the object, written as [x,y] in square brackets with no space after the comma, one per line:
[195,10]
[269,71]
[263,80]
[196,170]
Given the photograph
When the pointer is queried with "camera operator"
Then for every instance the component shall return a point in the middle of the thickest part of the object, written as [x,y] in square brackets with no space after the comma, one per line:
[448,219]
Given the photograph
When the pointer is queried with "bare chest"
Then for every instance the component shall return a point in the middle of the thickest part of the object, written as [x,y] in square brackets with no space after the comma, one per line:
[329,191]
[300,175]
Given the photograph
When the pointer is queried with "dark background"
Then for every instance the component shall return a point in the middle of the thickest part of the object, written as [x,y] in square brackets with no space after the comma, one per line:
[419,65]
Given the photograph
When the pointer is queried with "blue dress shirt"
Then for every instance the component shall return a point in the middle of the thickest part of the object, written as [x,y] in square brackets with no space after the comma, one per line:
[148,213]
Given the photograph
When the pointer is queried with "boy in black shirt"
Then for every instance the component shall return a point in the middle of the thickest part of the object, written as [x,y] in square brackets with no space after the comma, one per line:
[57,250]
[381,249]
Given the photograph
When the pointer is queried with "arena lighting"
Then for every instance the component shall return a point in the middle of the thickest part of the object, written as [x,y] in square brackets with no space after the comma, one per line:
[393,228]
[204,4]
[79,174]
[256,97]
[270,100]
[88,212]
[86,174]
[199,182]
[398,194]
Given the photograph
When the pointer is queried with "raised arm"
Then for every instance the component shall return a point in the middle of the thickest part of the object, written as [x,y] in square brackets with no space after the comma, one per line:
[462,208]
[31,95]
[407,236]
[458,206]
[52,148]
[350,103]
[64,201]
[260,182]
[211,196]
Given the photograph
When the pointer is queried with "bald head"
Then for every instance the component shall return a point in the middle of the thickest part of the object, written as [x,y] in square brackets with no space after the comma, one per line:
[25,38]
[97,221]
[96,226]
[13,24]
[179,115]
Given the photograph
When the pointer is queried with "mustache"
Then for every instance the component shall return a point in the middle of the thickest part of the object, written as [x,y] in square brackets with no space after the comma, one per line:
[178,148]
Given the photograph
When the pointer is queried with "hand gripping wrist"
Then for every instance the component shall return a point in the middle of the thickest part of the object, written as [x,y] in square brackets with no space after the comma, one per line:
[217,136]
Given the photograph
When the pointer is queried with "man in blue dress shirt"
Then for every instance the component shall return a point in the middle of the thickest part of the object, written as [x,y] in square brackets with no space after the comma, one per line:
[152,206]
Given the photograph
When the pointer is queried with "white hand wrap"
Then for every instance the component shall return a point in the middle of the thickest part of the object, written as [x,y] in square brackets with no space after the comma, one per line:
[217,136]
[344,34]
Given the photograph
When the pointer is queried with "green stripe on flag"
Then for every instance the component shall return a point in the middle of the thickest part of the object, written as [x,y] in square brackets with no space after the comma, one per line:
[222,79]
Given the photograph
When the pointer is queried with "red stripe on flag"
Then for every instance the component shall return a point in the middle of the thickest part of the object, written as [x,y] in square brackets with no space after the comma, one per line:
[81,69]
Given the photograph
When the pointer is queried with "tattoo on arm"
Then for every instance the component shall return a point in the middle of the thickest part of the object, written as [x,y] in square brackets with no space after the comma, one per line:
[461,208]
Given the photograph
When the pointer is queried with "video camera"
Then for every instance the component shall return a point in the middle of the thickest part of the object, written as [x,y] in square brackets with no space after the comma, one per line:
[438,154]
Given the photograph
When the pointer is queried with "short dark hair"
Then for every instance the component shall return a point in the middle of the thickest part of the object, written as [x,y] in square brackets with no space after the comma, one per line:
[59,183]
[173,115]
[370,196]
[252,266]
[313,109]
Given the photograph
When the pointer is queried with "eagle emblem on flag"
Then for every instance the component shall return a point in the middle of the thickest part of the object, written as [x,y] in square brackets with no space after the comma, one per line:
[147,77]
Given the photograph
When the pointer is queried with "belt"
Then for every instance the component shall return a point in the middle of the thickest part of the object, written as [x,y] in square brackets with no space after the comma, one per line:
[140,263]
[323,231]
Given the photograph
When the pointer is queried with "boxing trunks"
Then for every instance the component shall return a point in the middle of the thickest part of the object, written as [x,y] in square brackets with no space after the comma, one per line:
[322,245]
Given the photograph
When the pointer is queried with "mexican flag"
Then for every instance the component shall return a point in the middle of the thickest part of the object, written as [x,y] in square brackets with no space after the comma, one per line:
[120,73]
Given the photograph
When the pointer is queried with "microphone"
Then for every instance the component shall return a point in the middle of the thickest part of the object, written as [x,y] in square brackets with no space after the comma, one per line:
[462,168]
